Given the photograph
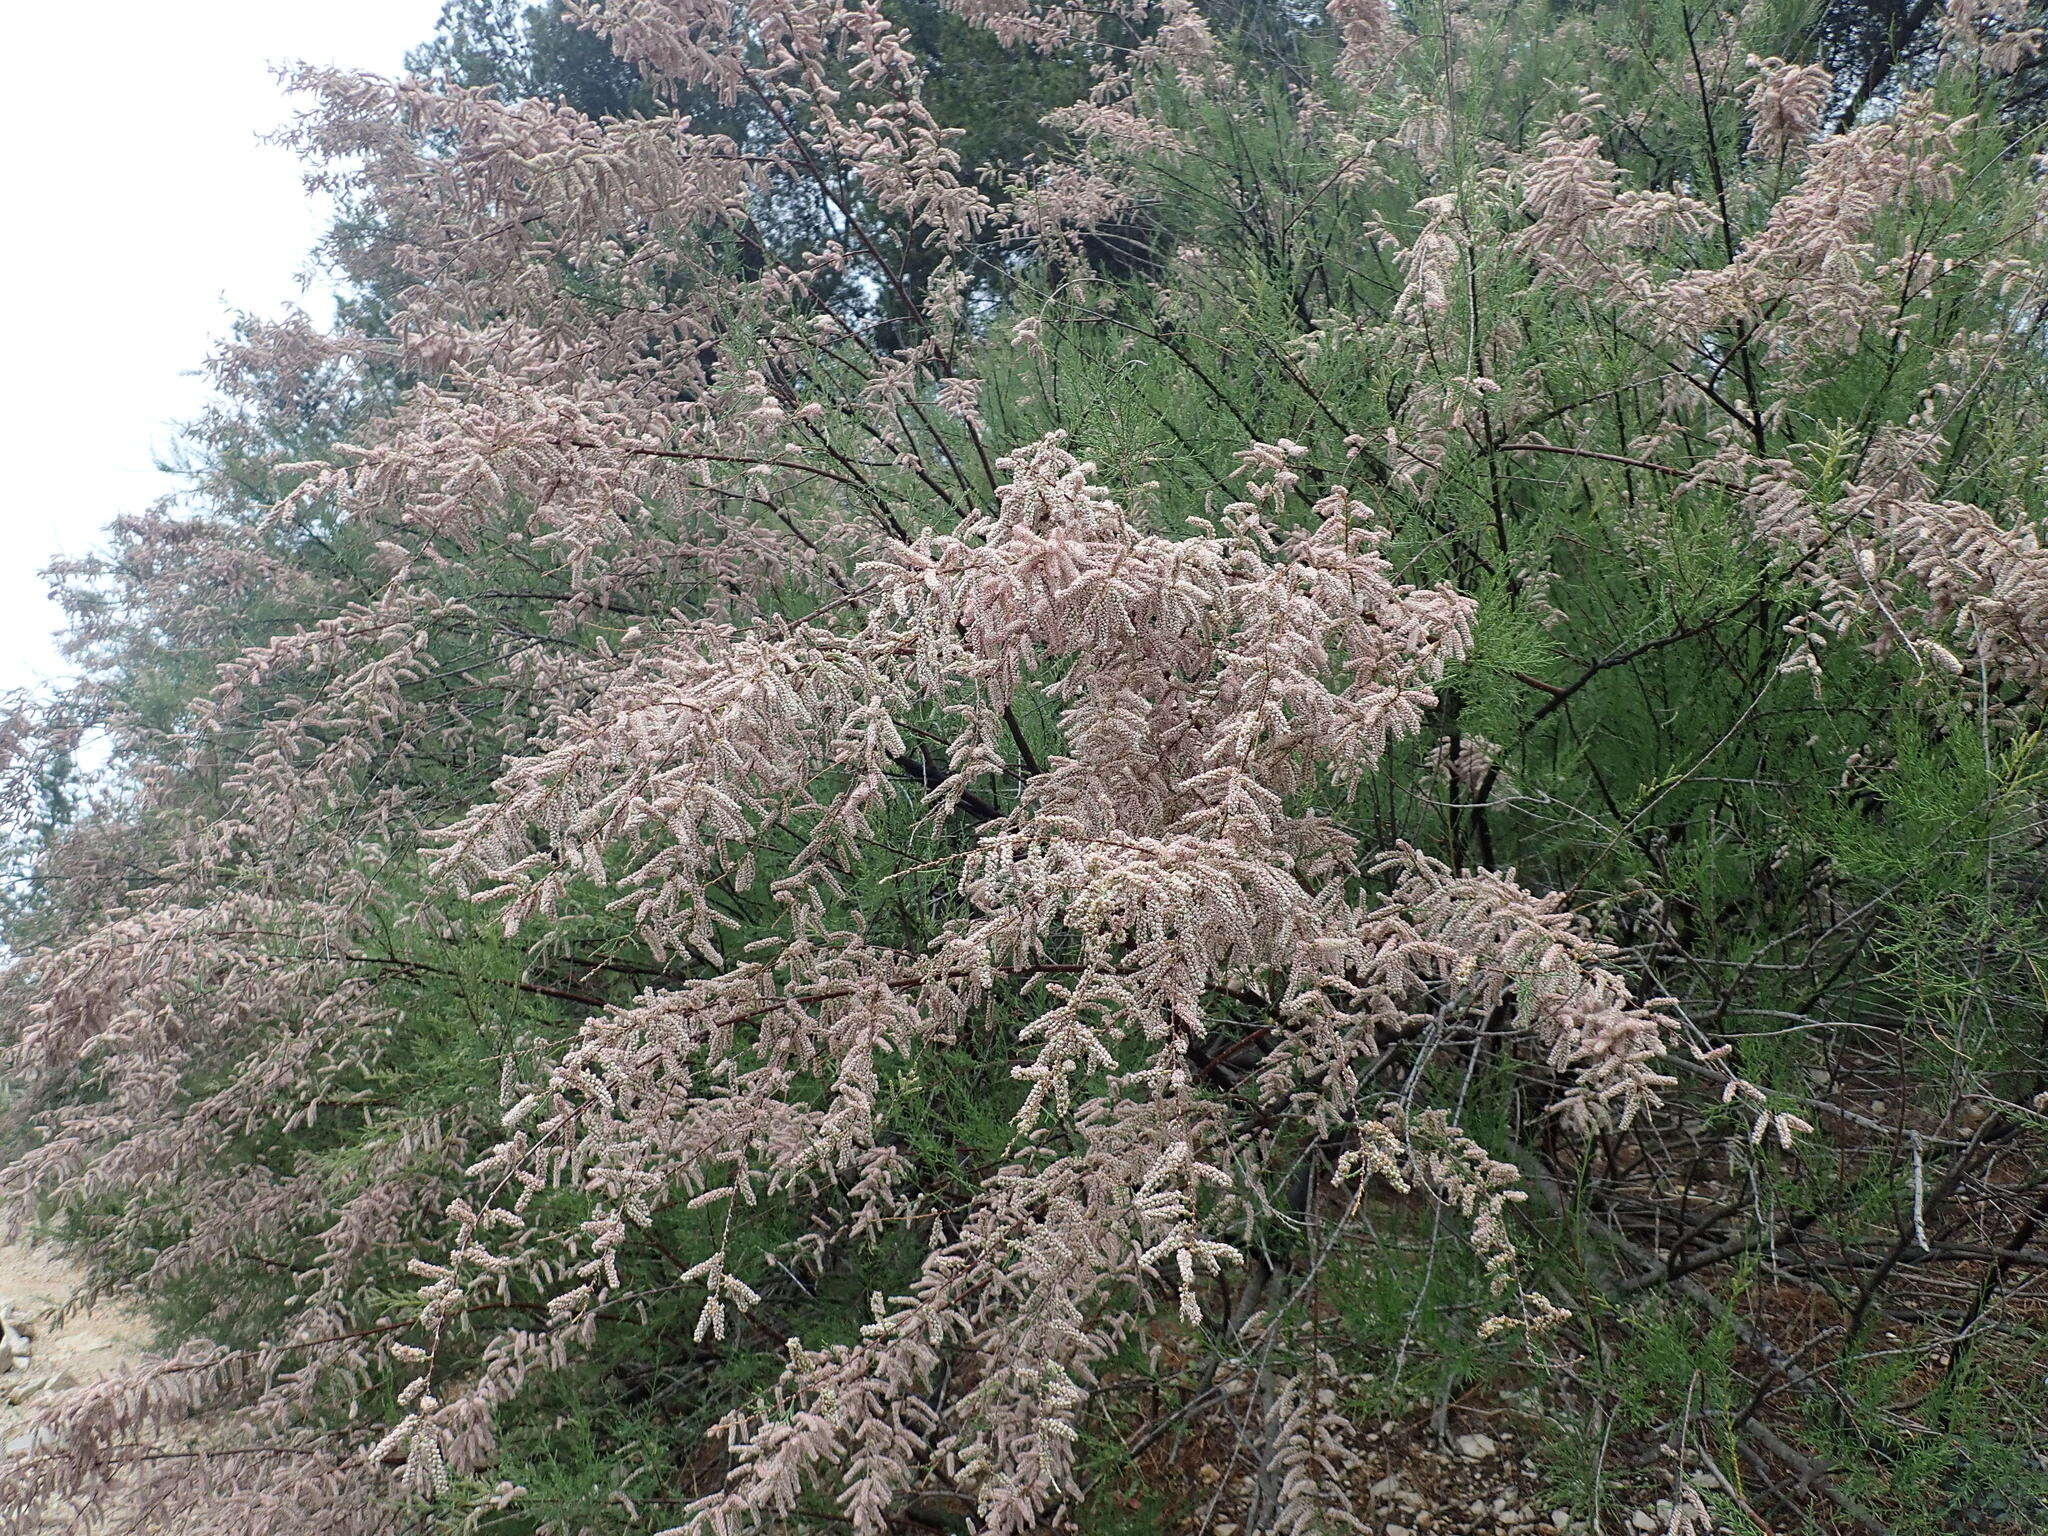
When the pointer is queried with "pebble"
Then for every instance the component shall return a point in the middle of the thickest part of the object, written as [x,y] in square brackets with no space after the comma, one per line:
[15,1348]
[1476,1447]
[21,1389]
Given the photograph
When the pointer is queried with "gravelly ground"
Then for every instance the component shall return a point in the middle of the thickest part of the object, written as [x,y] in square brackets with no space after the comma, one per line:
[64,1347]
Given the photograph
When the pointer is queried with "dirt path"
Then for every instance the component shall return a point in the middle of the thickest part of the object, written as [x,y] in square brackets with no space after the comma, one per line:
[34,1284]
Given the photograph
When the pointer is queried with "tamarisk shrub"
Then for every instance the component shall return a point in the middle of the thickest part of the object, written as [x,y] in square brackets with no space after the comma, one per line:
[862,834]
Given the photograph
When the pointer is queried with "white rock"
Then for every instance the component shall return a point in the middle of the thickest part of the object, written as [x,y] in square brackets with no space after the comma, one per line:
[1476,1447]
[14,1349]
[23,1389]
[1643,1520]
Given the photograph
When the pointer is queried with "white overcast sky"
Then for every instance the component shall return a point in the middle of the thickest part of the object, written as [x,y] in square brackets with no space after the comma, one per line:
[140,211]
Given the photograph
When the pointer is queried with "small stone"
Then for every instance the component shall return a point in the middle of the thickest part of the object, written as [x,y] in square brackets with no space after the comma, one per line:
[1399,1530]
[1643,1520]
[25,1389]
[1476,1447]
[14,1346]
[1387,1487]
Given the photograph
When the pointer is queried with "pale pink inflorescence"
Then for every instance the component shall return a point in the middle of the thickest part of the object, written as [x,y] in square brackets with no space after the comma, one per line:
[1196,679]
